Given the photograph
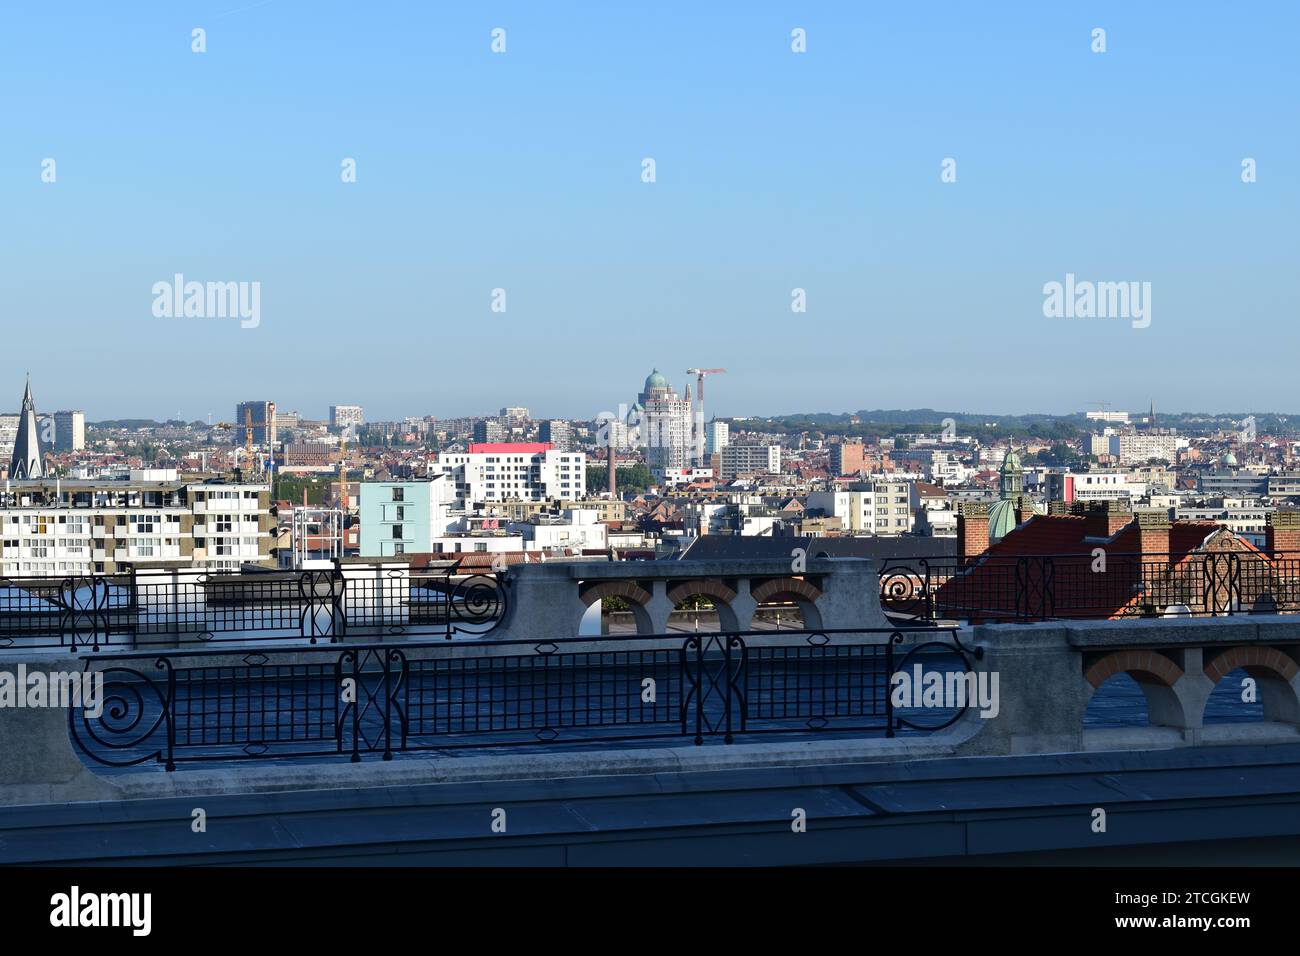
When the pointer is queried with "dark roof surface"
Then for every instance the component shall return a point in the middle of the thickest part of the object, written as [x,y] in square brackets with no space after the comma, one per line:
[726,547]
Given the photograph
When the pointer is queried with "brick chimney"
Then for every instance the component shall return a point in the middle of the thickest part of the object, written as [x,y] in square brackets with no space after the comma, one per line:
[1103,518]
[1058,508]
[1282,532]
[1024,509]
[972,529]
[1153,533]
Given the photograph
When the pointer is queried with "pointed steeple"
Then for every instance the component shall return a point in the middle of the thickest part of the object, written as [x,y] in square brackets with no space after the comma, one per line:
[27,460]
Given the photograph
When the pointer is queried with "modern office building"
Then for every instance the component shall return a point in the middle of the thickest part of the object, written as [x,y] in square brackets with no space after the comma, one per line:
[69,431]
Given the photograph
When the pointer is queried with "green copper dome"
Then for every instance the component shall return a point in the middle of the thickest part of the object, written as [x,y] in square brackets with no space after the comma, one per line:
[1002,519]
[655,380]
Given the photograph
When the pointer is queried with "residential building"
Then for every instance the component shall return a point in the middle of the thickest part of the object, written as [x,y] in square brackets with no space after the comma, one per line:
[558,434]
[855,509]
[1119,418]
[896,504]
[503,471]
[405,517]
[747,459]
[573,528]
[847,458]
[489,430]
[716,437]
[68,527]
[1137,448]
[347,416]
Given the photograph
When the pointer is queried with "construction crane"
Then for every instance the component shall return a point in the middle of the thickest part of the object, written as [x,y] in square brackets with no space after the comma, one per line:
[343,474]
[699,374]
[248,427]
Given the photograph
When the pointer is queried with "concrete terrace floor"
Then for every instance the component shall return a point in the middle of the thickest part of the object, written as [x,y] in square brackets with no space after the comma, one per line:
[1175,805]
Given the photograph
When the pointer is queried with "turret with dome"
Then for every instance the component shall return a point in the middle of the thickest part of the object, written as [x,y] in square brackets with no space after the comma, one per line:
[1013,504]
[656,388]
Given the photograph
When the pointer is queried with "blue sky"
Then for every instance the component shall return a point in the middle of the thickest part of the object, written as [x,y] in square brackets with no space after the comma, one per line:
[522,171]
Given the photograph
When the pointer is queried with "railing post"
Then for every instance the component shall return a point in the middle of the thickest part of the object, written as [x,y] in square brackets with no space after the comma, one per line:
[169,711]
[889,682]
[176,605]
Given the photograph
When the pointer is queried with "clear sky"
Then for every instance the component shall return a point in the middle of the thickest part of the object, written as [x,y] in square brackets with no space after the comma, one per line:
[523,171]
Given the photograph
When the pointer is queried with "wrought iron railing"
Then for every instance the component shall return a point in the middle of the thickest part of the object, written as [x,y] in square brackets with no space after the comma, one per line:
[1097,585]
[377,699]
[158,607]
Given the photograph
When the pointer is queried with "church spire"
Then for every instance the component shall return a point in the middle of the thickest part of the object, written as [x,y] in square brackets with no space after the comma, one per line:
[27,460]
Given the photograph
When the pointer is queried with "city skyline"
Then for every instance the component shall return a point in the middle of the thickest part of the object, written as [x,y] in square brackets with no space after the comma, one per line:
[775,171]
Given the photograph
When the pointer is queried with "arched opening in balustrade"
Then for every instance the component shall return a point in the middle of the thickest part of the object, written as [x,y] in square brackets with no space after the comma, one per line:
[1132,689]
[785,604]
[702,606]
[622,606]
[1251,683]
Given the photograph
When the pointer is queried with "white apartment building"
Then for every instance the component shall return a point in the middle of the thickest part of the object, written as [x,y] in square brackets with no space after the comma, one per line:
[947,468]
[346,416]
[51,527]
[666,432]
[855,509]
[1138,448]
[716,437]
[1104,416]
[572,528]
[504,471]
[684,476]
[8,435]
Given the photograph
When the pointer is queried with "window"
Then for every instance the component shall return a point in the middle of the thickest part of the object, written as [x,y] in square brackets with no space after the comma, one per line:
[397,531]
[399,494]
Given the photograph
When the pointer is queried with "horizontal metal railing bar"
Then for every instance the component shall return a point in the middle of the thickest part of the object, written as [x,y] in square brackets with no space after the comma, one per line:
[676,637]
